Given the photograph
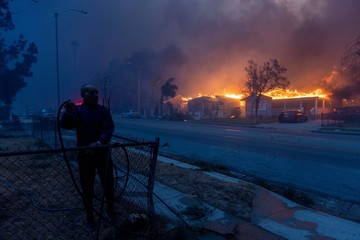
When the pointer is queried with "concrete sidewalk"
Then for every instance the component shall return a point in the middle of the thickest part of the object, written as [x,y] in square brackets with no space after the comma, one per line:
[273,217]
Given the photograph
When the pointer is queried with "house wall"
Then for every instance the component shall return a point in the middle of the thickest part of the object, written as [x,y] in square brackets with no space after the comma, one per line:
[222,107]
[264,108]
[310,105]
[212,107]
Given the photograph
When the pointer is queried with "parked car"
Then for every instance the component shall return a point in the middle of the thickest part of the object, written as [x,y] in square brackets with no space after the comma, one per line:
[45,113]
[130,114]
[293,116]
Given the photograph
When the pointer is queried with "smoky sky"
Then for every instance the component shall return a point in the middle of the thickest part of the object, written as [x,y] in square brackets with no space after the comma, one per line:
[203,44]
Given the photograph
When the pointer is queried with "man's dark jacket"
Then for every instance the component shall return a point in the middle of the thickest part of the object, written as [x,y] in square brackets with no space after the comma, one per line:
[92,124]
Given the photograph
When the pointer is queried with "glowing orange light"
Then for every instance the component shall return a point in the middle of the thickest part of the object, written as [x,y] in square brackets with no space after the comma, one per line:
[280,94]
[233,95]
[275,94]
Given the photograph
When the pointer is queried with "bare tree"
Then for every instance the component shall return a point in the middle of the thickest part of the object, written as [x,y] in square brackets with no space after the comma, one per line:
[107,87]
[350,71]
[105,81]
[352,55]
[262,79]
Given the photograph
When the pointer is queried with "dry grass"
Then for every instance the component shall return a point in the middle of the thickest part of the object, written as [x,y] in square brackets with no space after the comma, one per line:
[233,198]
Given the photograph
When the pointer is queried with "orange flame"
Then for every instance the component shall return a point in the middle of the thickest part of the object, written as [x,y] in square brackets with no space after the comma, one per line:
[280,94]
[275,94]
[233,95]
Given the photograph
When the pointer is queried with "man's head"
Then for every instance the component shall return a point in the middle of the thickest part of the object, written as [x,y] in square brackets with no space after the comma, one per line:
[90,94]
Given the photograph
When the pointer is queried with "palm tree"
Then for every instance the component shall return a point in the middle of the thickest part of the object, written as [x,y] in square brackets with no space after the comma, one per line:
[168,90]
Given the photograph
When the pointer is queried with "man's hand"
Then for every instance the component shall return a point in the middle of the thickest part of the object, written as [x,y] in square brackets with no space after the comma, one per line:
[69,107]
[92,151]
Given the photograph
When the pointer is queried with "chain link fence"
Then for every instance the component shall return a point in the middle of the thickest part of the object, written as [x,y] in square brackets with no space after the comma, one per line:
[40,197]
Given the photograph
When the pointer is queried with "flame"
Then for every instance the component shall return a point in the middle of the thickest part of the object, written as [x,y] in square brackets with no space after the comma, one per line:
[186,99]
[280,94]
[233,95]
[275,94]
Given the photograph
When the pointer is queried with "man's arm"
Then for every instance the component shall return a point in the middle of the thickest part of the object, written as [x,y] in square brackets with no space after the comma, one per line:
[67,119]
[108,129]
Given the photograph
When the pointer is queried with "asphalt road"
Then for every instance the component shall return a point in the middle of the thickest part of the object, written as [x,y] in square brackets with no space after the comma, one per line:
[324,163]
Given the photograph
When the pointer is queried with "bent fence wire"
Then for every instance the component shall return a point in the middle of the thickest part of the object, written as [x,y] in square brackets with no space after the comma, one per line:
[39,197]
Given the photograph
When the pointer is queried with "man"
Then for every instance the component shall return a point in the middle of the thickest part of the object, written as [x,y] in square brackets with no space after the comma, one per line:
[94,127]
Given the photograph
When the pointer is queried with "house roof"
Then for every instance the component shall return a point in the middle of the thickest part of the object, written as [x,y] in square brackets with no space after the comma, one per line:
[296,98]
[248,98]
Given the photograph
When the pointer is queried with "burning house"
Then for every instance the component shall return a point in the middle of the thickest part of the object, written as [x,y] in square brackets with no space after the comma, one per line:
[233,106]
[213,107]
[272,107]
[312,106]
[264,108]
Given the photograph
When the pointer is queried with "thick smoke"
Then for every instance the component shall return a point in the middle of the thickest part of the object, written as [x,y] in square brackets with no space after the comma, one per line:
[145,71]
[344,83]
[218,38]
[204,44]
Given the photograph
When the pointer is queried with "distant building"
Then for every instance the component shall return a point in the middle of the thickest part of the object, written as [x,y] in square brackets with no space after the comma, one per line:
[213,107]
[312,106]
[264,108]
[352,102]
[224,107]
